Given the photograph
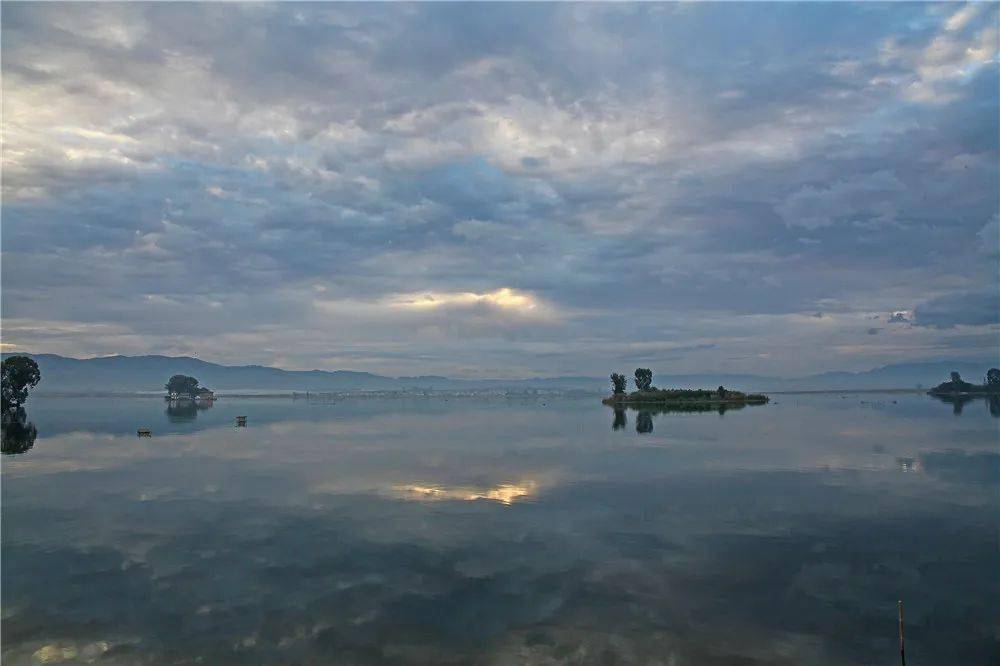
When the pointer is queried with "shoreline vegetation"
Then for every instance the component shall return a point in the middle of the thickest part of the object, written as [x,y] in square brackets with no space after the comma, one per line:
[958,387]
[646,395]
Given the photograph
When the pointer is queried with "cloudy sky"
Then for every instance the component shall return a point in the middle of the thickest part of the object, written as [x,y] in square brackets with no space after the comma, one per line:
[503,190]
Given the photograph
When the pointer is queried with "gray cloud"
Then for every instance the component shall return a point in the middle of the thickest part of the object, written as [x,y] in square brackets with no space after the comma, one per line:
[667,175]
[959,309]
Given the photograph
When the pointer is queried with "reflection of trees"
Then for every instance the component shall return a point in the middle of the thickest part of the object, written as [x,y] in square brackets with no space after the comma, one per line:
[18,434]
[957,401]
[680,407]
[644,422]
[181,411]
[644,419]
[621,421]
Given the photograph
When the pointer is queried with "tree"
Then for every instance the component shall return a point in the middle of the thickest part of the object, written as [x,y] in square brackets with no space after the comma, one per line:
[955,377]
[643,378]
[993,378]
[721,391]
[182,384]
[20,374]
[618,383]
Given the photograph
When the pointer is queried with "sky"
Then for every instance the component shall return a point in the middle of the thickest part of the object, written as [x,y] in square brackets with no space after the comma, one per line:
[503,190]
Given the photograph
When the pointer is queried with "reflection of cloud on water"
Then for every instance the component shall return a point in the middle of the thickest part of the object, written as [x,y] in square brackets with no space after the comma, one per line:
[979,468]
[505,493]
[627,570]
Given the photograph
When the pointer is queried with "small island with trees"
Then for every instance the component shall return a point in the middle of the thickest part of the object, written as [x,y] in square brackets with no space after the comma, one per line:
[958,386]
[648,395]
[181,388]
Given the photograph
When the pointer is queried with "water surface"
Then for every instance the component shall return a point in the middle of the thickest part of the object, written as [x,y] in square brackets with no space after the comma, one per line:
[502,531]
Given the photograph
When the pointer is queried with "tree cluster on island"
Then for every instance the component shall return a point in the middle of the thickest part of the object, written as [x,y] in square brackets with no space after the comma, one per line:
[183,387]
[645,392]
[990,385]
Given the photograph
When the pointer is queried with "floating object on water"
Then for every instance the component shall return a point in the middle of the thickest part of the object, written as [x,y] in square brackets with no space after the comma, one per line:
[241,422]
[144,432]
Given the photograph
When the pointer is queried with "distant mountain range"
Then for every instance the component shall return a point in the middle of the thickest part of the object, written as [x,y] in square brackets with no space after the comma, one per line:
[150,373]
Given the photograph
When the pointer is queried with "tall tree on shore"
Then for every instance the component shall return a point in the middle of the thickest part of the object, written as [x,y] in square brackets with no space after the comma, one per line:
[20,374]
[618,383]
[643,378]
[993,378]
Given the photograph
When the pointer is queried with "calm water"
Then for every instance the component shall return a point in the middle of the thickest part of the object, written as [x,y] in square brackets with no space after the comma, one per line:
[503,532]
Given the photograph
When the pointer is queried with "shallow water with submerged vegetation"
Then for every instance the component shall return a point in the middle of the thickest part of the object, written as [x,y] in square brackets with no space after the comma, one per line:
[493,530]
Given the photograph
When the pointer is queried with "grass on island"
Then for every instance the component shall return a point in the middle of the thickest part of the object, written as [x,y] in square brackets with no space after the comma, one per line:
[687,397]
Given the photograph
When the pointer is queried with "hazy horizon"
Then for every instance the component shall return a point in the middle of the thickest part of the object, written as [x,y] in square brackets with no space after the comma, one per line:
[965,364]
[503,190]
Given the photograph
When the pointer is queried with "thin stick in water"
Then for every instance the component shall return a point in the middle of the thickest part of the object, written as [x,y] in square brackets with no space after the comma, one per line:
[902,651]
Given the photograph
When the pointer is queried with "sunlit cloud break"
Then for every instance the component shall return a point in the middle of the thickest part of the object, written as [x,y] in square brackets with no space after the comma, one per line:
[502,299]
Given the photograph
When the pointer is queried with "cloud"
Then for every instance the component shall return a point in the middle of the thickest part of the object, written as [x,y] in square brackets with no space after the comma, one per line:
[640,174]
[959,309]
[864,200]
[989,237]
[503,299]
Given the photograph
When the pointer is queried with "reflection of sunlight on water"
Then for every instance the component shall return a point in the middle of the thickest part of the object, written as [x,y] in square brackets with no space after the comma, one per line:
[54,654]
[505,493]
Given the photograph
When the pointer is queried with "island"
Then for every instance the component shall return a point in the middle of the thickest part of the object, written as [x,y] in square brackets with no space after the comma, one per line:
[647,395]
[182,388]
[959,387]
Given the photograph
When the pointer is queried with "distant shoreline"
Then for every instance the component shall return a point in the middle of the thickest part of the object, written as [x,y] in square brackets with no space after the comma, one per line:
[828,391]
[301,395]
[320,396]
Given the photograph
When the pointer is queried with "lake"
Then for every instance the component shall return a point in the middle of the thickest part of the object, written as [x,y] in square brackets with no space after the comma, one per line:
[541,530]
